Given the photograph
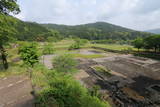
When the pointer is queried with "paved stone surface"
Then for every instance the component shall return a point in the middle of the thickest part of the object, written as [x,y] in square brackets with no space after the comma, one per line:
[15,91]
[47,60]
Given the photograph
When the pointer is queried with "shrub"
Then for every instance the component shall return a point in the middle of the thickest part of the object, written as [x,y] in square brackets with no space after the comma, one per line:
[48,49]
[78,43]
[64,63]
[127,50]
[74,46]
[29,54]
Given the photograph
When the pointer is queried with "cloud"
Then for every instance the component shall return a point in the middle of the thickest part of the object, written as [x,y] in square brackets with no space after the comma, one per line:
[135,14]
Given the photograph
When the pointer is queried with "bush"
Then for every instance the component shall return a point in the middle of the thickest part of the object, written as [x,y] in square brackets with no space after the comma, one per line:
[78,43]
[64,63]
[74,46]
[48,49]
[29,54]
[127,50]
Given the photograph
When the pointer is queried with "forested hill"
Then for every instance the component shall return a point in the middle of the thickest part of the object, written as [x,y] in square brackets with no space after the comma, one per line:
[98,30]
[24,30]
[94,31]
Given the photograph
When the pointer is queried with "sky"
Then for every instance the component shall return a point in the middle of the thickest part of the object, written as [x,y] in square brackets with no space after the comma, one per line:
[134,14]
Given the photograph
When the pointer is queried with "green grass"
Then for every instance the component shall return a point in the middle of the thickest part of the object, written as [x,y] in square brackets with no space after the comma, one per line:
[103,70]
[13,70]
[88,56]
[113,46]
[64,44]
[39,76]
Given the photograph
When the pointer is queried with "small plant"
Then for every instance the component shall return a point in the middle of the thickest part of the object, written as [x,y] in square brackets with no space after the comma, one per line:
[64,63]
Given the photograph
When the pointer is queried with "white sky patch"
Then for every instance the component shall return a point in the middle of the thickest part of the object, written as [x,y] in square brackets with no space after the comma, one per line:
[135,14]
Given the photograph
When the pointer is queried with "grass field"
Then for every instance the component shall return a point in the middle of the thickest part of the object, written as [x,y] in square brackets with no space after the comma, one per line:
[64,44]
[87,56]
[60,47]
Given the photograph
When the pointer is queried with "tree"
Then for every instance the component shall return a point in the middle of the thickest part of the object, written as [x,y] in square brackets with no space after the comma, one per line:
[151,42]
[29,54]
[6,7]
[9,6]
[138,43]
[48,49]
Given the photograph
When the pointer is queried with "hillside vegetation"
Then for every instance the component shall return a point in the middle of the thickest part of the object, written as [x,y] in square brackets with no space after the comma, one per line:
[26,30]
[97,31]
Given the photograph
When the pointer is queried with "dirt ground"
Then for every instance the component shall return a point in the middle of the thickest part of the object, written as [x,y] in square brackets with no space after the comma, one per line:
[132,78]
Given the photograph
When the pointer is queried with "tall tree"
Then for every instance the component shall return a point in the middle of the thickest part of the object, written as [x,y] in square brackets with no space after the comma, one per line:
[138,43]
[9,6]
[6,7]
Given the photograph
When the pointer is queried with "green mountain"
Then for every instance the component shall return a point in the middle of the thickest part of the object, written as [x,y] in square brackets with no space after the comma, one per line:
[156,31]
[93,31]
[25,30]
[97,31]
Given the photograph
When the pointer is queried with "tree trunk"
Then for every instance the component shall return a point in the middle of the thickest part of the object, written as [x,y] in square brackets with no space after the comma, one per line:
[4,57]
[155,49]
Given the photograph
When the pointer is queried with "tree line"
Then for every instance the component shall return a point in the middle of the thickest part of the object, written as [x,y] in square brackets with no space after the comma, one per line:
[148,43]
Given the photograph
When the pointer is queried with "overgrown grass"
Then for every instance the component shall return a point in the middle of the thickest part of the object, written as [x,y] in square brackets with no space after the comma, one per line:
[13,70]
[64,44]
[91,56]
[64,91]
[39,76]
[113,46]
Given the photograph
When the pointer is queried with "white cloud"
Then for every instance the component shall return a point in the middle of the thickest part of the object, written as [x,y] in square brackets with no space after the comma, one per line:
[136,14]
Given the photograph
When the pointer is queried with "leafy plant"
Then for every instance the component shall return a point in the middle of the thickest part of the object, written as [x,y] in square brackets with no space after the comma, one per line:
[29,54]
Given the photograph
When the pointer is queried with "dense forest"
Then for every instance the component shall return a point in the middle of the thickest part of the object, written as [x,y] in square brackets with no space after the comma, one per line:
[97,31]
[26,30]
